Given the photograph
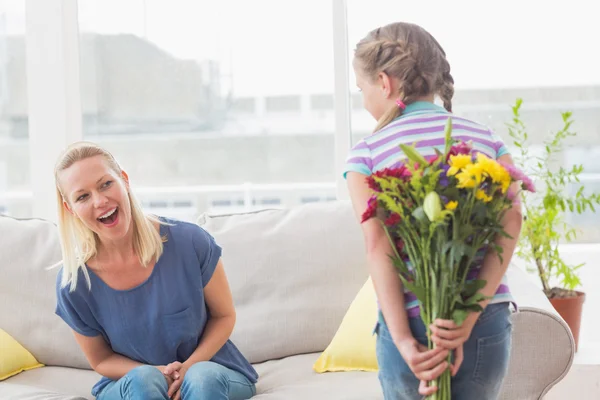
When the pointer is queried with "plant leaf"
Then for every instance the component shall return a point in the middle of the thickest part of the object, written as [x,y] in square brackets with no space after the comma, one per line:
[413,154]
[472,287]
[418,291]
[459,316]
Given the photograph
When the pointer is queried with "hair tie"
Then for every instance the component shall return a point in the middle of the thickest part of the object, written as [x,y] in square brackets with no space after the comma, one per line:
[401,104]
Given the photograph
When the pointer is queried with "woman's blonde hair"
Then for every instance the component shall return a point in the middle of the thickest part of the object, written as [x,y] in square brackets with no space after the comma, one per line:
[410,54]
[78,242]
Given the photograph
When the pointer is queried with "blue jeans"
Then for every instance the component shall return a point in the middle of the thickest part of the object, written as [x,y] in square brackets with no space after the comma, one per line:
[480,377]
[203,381]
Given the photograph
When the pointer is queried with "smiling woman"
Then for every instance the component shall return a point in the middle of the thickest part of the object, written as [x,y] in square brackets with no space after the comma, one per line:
[145,344]
[96,206]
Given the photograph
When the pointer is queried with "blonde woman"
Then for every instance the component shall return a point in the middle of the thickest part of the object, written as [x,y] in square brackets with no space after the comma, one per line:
[146,297]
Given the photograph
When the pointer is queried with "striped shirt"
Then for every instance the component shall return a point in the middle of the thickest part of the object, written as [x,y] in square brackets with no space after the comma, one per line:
[422,124]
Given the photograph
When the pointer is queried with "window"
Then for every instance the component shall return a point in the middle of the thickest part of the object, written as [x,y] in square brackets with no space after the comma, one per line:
[15,197]
[189,94]
[587,222]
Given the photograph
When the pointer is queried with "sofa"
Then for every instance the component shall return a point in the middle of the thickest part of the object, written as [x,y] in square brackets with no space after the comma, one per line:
[293,273]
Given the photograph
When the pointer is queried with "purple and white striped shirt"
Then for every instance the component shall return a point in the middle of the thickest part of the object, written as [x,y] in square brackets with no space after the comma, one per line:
[422,124]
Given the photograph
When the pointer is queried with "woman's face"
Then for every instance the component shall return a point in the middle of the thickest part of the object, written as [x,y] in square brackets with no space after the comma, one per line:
[98,196]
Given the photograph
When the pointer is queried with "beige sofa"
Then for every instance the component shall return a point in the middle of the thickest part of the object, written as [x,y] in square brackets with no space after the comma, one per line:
[293,274]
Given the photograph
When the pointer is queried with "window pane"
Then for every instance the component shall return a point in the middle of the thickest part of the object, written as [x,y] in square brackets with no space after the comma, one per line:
[208,109]
[494,61]
[15,198]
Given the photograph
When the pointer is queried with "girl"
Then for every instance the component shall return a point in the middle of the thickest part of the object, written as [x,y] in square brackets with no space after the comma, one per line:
[147,298]
[400,68]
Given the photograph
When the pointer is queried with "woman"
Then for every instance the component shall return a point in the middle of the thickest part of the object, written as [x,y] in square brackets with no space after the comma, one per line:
[146,297]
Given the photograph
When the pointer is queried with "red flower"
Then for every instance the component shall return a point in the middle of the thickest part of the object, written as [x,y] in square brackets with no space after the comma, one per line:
[399,172]
[371,210]
[373,184]
[460,148]
[392,219]
[399,245]
[432,159]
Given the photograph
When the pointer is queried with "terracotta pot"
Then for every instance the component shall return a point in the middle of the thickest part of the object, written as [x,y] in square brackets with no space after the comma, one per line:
[569,308]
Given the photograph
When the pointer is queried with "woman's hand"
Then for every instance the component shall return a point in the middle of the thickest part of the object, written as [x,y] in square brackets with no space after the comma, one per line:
[426,364]
[174,374]
[177,370]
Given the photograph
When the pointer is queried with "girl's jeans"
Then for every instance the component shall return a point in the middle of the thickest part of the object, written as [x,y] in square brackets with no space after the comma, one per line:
[480,377]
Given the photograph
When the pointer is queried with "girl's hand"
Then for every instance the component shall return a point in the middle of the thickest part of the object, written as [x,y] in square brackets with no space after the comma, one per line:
[446,334]
[426,364]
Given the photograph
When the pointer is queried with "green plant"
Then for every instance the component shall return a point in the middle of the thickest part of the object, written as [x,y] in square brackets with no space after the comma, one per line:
[544,225]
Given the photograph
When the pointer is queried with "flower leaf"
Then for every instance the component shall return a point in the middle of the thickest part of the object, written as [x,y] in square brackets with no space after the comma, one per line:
[413,155]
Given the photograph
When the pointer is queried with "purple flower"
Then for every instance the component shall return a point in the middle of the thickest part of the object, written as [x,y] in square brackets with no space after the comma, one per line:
[518,175]
[444,181]
[528,184]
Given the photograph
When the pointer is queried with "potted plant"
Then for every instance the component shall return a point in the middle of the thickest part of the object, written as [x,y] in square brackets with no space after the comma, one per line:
[544,225]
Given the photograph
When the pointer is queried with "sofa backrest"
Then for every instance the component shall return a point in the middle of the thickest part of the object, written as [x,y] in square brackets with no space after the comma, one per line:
[27,292]
[293,274]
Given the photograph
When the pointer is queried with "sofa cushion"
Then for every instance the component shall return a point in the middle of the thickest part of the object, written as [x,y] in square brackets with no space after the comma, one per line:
[293,274]
[28,248]
[286,379]
[293,378]
[11,391]
[50,383]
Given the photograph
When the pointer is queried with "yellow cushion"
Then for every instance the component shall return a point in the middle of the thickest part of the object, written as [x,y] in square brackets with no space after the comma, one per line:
[14,358]
[353,346]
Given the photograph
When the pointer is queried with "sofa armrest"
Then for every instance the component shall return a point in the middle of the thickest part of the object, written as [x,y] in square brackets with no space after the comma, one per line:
[542,345]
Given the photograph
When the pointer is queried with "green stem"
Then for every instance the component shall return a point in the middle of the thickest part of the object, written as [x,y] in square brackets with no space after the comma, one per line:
[387,233]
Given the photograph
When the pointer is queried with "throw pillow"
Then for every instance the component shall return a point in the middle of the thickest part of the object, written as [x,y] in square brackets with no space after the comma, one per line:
[353,346]
[14,358]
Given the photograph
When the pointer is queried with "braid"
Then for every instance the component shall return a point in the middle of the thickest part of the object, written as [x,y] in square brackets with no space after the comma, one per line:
[446,90]
[445,82]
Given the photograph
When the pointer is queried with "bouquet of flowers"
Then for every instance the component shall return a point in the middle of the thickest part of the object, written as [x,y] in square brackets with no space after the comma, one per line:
[439,214]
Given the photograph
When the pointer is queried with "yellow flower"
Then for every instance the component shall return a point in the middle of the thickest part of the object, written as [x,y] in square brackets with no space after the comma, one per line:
[481,195]
[505,185]
[495,171]
[451,205]
[470,177]
[458,162]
